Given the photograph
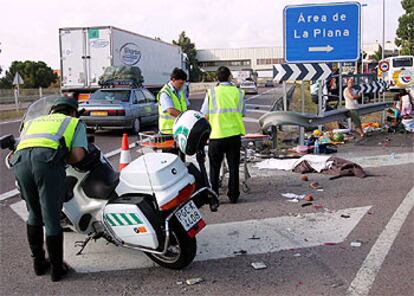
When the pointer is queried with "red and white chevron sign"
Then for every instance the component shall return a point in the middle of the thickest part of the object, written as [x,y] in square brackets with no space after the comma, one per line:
[294,72]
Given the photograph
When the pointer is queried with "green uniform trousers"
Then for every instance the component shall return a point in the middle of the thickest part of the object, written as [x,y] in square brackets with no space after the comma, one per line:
[41,176]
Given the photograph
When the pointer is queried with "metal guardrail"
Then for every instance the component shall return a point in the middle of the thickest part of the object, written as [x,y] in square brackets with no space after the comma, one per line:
[307,120]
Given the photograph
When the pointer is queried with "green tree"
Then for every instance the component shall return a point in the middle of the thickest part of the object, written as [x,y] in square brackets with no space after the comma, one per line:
[405,30]
[189,48]
[34,74]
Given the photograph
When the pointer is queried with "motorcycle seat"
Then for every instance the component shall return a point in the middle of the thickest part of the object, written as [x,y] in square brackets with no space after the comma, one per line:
[101,182]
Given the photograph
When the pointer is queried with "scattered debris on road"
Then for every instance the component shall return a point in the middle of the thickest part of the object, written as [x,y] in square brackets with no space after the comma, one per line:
[306,204]
[356,243]
[346,216]
[304,178]
[308,197]
[194,281]
[240,252]
[259,265]
[315,185]
[297,255]
[254,237]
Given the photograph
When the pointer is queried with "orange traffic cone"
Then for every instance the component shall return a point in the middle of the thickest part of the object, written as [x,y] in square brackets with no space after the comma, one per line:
[125,158]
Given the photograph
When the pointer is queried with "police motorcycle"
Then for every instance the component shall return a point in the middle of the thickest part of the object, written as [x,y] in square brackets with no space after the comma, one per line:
[151,206]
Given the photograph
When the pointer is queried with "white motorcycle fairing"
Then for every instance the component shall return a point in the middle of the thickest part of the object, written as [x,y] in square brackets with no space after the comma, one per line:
[159,174]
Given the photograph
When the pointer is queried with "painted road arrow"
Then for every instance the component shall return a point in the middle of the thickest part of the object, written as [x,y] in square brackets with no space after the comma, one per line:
[294,72]
[327,48]
[224,240]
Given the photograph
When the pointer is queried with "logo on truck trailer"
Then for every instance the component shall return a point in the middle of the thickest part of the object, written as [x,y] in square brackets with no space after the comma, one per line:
[130,54]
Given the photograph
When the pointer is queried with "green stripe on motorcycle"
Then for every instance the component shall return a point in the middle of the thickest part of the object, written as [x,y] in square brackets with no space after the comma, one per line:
[118,221]
[125,217]
[109,220]
[135,217]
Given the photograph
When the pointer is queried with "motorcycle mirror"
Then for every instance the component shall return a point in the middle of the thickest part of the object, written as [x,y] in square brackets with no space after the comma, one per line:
[7,142]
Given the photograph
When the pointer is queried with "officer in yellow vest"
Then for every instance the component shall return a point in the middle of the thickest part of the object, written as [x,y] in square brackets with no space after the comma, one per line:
[224,107]
[172,101]
[46,144]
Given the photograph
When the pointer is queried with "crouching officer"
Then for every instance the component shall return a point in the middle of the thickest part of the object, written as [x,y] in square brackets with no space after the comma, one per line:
[224,107]
[46,144]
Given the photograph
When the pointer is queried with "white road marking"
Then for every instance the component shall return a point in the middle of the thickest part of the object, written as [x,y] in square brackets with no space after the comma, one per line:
[250,119]
[258,95]
[365,277]
[9,194]
[257,111]
[11,121]
[222,240]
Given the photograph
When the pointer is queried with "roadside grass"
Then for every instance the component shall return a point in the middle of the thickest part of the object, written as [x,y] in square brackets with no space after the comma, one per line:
[11,114]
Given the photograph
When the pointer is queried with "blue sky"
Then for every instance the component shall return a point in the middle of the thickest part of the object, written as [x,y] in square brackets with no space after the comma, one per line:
[29,29]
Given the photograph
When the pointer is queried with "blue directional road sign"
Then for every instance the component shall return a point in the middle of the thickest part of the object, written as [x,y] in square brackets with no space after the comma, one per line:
[328,32]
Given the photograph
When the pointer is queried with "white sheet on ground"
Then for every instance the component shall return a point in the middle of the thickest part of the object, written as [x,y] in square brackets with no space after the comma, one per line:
[317,162]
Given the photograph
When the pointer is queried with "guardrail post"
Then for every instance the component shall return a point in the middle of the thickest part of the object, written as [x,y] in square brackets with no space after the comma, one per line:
[16,97]
[40,92]
[302,99]
[340,86]
[274,136]
[285,106]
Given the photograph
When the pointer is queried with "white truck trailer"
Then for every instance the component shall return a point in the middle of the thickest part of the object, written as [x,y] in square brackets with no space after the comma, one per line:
[86,52]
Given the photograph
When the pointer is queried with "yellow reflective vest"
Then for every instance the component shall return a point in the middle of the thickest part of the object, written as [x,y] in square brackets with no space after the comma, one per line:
[165,120]
[225,111]
[46,131]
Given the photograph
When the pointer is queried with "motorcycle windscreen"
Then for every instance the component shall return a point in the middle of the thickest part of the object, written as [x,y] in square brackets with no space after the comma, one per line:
[39,108]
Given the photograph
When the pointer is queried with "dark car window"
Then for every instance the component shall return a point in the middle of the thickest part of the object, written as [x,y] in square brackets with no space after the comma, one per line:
[139,96]
[111,95]
[148,95]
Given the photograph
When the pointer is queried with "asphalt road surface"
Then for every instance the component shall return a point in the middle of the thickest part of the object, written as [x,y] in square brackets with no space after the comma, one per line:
[355,239]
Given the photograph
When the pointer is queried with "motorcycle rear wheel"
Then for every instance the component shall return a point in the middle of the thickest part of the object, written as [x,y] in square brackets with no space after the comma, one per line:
[180,252]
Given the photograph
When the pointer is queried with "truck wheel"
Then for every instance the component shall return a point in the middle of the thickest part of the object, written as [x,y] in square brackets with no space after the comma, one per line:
[136,127]
[181,250]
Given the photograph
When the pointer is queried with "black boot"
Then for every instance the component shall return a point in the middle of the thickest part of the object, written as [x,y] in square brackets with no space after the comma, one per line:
[35,238]
[55,249]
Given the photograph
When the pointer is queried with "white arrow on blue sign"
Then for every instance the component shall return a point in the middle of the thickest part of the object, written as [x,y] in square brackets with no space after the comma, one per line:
[328,32]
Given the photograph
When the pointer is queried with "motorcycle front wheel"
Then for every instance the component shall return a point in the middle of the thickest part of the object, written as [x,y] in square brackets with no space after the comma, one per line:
[180,252]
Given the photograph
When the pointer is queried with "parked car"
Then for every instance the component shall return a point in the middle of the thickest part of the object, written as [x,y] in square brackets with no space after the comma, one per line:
[120,108]
[269,83]
[249,87]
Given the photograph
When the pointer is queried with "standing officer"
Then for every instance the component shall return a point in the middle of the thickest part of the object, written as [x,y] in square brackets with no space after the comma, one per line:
[46,144]
[172,101]
[224,108]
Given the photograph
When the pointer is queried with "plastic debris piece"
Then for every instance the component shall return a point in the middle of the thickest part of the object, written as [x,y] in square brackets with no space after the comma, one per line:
[306,204]
[254,237]
[293,200]
[330,244]
[240,252]
[308,197]
[180,282]
[297,255]
[304,178]
[259,265]
[315,185]
[346,216]
[336,285]
[318,207]
[194,281]
[320,189]
[356,244]
[293,195]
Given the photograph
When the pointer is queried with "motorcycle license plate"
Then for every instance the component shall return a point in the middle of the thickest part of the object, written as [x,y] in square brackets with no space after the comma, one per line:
[190,218]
